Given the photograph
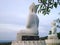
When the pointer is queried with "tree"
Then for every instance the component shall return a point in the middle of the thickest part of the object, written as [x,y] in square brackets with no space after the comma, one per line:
[45,6]
[50,32]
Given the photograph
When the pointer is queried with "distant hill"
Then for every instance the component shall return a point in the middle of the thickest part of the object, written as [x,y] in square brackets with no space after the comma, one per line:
[5,43]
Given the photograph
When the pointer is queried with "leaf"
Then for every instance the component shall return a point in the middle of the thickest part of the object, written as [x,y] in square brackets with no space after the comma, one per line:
[38,11]
[40,6]
[37,6]
[39,1]
[59,3]
[51,7]
[44,1]
[55,4]
[44,12]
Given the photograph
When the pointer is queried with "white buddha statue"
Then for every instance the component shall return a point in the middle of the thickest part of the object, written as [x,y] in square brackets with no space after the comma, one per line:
[53,30]
[32,23]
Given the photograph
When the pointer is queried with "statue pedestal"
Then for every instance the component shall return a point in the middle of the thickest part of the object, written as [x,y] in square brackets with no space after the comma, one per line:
[26,33]
[52,42]
[52,36]
[30,38]
[39,42]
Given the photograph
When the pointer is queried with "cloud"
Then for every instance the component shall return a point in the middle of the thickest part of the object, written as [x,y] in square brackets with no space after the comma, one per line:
[43,31]
[8,35]
[10,27]
[9,31]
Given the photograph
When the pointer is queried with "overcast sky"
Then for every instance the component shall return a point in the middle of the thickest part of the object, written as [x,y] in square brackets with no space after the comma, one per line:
[13,15]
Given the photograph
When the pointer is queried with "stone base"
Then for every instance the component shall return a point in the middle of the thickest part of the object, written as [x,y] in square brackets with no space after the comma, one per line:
[19,35]
[52,42]
[27,37]
[28,32]
[30,38]
[52,36]
[29,42]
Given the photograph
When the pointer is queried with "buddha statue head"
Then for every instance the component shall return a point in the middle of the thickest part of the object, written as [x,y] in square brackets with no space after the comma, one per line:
[32,8]
[53,23]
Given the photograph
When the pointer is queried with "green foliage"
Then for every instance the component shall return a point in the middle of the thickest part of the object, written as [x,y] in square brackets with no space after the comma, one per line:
[50,32]
[45,6]
[55,5]
[58,35]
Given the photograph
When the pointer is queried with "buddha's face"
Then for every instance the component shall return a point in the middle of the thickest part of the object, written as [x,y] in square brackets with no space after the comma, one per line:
[53,24]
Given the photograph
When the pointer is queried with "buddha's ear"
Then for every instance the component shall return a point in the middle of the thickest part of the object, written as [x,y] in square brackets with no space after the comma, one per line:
[28,26]
[32,10]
